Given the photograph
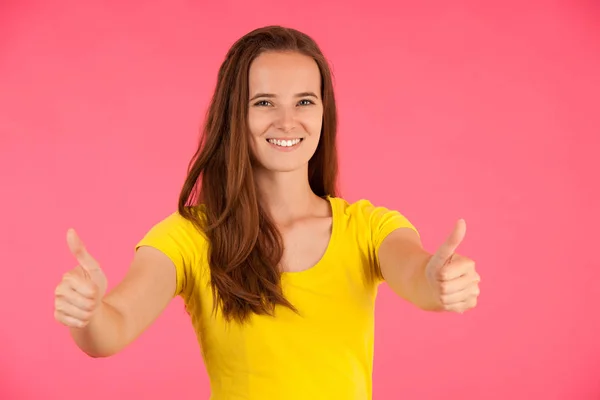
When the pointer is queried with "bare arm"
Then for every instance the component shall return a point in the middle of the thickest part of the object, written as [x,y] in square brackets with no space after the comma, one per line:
[103,325]
[442,281]
[403,263]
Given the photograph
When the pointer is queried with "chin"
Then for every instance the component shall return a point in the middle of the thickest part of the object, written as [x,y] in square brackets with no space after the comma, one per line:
[283,167]
[284,162]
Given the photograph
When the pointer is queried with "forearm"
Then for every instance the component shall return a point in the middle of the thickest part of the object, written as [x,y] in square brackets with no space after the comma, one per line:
[419,290]
[105,335]
[410,281]
[403,263]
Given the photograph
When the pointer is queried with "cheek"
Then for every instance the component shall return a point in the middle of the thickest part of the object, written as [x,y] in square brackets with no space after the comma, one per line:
[316,126]
[313,123]
[258,123]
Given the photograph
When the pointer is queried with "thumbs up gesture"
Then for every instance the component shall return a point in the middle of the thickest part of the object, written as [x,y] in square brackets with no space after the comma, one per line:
[81,290]
[452,277]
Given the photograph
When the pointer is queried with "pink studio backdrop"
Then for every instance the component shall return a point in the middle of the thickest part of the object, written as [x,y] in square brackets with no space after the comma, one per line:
[486,112]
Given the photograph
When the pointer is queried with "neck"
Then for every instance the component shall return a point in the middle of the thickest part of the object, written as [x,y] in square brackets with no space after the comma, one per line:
[285,195]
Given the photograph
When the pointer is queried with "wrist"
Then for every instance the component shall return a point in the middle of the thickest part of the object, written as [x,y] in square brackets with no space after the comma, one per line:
[430,297]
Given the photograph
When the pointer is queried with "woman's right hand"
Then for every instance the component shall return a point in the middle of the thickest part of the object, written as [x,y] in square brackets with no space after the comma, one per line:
[81,290]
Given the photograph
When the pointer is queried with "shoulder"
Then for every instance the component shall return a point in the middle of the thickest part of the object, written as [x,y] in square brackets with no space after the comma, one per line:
[180,238]
[376,218]
[360,209]
[175,229]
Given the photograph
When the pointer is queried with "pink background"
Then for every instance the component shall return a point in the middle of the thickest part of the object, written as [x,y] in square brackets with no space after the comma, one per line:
[487,112]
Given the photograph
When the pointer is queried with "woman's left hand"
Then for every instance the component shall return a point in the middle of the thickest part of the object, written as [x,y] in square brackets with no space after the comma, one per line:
[452,277]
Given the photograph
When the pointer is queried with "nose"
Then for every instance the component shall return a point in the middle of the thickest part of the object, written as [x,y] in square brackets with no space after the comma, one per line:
[286,120]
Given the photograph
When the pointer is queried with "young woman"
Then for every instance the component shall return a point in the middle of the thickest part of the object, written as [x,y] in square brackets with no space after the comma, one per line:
[278,274]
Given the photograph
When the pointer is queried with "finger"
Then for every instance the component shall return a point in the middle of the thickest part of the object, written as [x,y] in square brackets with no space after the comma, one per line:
[72,310]
[456,269]
[463,306]
[448,248]
[471,291]
[71,283]
[69,321]
[458,284]
[75,298]
[80,253]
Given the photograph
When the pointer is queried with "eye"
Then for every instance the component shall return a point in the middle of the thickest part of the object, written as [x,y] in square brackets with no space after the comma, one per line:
[305,102]
[262,103]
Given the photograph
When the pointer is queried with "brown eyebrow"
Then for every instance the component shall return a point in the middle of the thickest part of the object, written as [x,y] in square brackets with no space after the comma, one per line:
[270,95]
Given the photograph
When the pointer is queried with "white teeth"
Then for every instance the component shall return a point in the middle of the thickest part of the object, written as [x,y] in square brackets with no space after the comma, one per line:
[284,143]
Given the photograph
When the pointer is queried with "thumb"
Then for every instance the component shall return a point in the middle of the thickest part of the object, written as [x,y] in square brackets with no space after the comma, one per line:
[77,248]
[448,248]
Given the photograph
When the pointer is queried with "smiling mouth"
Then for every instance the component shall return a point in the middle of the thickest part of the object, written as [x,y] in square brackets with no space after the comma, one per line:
[285,143]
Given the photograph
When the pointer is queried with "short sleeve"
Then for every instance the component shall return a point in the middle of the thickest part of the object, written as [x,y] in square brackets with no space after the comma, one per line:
[383,222]
[178,239]
[380,222]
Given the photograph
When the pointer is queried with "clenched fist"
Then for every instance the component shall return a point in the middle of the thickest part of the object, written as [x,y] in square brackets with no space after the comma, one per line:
[453,278]
[79,294]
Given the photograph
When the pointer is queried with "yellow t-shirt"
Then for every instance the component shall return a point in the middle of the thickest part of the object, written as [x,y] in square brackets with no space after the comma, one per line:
[326,352]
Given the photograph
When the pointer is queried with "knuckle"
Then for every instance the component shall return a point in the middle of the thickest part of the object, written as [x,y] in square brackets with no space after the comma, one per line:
[440,272]
[84,288]
[92,290]
[86,316]
[444,288]
[444,300]
[68,277]
[89,305]
[471,303]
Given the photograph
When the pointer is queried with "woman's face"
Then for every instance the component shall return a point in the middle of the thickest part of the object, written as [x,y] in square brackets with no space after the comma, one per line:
[285,111]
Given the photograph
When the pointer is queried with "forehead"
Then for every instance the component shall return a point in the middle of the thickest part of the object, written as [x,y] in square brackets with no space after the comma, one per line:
[279,72]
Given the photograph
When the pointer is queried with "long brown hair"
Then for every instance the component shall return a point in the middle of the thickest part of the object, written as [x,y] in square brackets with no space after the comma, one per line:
[245,245]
